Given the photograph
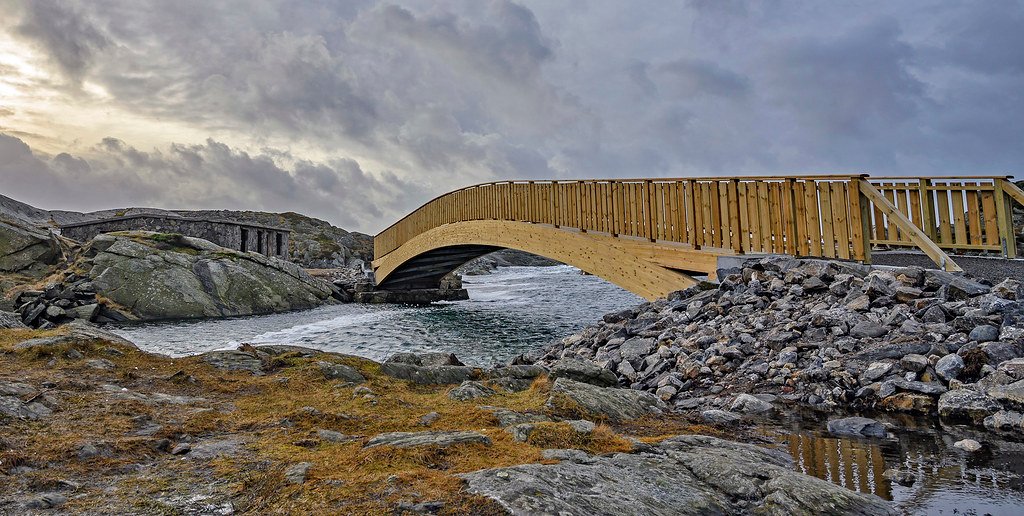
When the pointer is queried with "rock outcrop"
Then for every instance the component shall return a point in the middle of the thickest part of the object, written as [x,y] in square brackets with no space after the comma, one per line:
[27,250]
[153,276]
[690,474]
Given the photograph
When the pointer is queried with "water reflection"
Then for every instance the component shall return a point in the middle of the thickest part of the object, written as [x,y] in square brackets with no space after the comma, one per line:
[856,465]
[945,479]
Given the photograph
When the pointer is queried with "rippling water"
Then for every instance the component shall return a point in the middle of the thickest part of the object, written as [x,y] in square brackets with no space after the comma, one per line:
[509,312]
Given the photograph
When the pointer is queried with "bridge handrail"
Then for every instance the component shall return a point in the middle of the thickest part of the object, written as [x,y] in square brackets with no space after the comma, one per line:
[832,215]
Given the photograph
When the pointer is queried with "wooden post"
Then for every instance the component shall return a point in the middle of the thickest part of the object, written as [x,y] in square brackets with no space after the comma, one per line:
[1004,219]
[860,221]
[927,209]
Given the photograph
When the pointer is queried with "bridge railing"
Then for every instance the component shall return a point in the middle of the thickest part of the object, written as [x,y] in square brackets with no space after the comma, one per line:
[961,214]
[821,216]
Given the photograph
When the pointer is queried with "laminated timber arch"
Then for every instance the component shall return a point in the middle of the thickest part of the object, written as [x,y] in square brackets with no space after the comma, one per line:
[632,265]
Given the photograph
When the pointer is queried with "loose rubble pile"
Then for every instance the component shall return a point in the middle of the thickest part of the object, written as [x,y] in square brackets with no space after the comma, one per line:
[62,302]
[825,334]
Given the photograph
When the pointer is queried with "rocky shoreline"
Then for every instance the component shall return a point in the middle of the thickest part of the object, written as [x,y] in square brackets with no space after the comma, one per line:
[832,336]
[91,425]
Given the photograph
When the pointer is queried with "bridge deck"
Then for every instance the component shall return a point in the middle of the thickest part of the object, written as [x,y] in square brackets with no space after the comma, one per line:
[687,224]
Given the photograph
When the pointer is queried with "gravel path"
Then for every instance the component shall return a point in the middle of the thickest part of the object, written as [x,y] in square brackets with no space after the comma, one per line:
[992,269]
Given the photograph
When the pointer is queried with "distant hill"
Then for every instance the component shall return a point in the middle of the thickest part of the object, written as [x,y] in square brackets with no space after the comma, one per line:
[314,243]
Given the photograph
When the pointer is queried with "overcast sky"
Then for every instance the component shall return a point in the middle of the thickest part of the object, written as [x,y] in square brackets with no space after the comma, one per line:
[358,111]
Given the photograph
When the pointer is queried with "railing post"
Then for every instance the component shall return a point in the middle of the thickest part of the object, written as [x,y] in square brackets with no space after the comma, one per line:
[1004,220]
[649,209]
[860,221]
[927,209]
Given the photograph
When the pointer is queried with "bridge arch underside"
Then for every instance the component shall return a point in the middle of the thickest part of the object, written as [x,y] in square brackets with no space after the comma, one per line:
[648,269]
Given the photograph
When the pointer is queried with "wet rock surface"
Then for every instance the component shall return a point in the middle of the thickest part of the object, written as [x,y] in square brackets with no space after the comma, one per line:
[681,475]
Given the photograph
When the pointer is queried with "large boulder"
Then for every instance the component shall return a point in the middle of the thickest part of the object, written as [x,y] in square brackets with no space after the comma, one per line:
[159,276]
[603,402]
[27,250]
[682,475]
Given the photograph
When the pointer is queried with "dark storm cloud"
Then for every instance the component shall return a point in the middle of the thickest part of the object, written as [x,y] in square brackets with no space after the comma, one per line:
[447,93]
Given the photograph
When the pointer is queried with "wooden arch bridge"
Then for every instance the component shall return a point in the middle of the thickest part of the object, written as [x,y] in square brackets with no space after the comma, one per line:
[650,235]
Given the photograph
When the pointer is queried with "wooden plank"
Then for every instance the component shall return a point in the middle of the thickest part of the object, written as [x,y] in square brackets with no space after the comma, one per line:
[691,235]
[973,216]
[903,206]
[753,218]
[945,223]
[927,209]
[841,222]
[827,231]
[698,215]
[893,232]
[988,207]
[744,223]
[775,210]
[706,219]
[916,235]
[959,218]
[789,217]
[813,220]
[800,219]
[764,217]
[723,204]
[1004,218]
[735,204]
[860,239]
[715,221]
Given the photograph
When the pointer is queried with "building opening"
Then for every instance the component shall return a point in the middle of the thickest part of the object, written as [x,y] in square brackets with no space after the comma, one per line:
[280,244]
[259,242]
[245,240]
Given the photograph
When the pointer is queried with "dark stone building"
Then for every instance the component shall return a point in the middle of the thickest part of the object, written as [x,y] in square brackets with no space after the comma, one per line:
[243,237]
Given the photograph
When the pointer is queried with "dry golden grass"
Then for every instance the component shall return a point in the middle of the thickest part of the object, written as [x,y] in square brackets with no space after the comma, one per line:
[276,417]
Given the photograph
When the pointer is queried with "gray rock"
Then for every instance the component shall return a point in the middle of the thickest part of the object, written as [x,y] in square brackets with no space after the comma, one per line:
[416,439]
[337,437]
[101,364]
[856,427]
[720,417]
[582,426]
[190,278]
[931,388]
[914,362]
[232,360]
[968,445]
[1012,394]
[12,406]
[949,367]
[27,250]
[521,432]
[867,329]
[508,417]
[583,371]
[431,359]
[748,404]
[428,419]
[9,320]
[984,333]
[297,473]
[181,449]
[1013,367]
[682,475]
[1006,420]
[435,375]
[967,404]
[875,371]
[335,371]
[470,390]
[637,348]
[47,501]
[603,402]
